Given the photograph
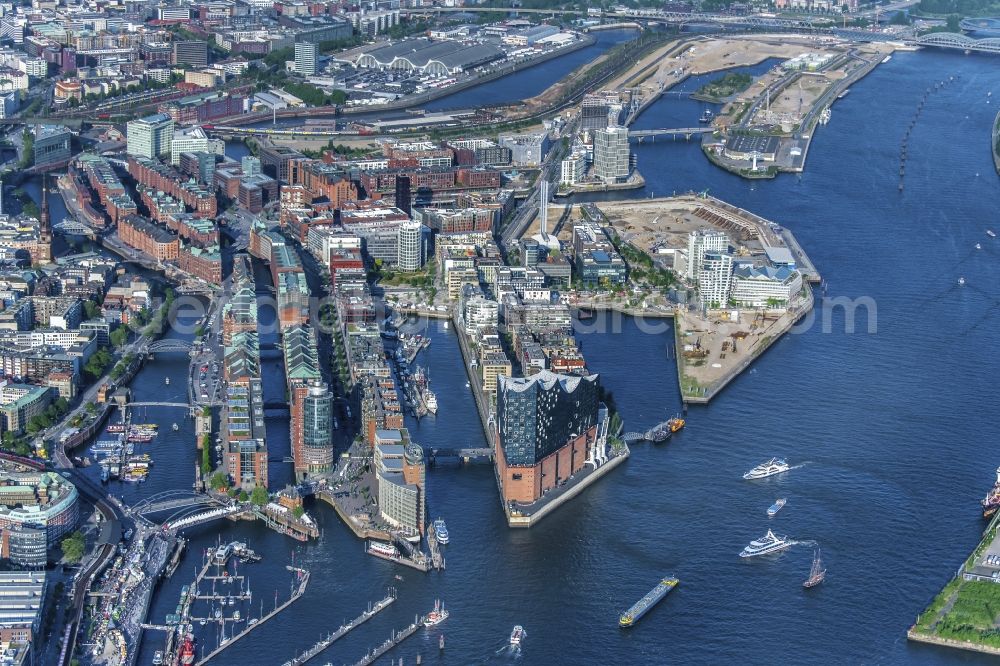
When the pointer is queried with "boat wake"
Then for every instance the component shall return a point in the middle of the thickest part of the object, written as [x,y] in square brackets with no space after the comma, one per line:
[808,542]
[800,465]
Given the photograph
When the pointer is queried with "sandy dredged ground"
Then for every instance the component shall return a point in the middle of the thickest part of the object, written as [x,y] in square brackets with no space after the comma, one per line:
[670,64]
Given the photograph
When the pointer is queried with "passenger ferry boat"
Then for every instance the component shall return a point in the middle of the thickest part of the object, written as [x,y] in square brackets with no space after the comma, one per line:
[440,532]
[517,635]
[641,607]
[436,616]
[770,468]
[769,543]
[380,548]
[776,507]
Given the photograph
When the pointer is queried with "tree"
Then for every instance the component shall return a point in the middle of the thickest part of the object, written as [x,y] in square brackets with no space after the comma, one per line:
[119,336]
[91,309]
[73,547]
[298,512]
[243,496]
[953,23]
[219,481]
[259,496]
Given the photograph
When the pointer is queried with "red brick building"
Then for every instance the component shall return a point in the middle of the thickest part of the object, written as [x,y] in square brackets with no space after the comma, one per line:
[146,237]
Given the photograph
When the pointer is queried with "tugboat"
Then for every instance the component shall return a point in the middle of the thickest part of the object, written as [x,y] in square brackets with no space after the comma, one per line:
[817,574]
[436,616]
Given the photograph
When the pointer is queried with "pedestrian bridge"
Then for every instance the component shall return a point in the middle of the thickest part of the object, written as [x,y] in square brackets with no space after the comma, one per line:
[203,517]
[173,500]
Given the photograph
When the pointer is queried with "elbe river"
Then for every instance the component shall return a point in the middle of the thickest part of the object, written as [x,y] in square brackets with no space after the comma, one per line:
[890,427]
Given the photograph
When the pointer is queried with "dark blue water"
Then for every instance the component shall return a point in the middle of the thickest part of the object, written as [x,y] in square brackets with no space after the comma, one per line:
[892,435]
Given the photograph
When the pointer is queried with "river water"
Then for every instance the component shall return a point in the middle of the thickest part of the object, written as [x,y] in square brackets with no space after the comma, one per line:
[891,435]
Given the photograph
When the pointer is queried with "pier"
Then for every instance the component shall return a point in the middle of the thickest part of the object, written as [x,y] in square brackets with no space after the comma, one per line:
[343,630]
[395,639]
[299,591]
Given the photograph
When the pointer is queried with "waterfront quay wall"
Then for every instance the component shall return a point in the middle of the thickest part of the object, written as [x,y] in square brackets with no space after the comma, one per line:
[919,637]
[571,492]
[763,345]
[360,532]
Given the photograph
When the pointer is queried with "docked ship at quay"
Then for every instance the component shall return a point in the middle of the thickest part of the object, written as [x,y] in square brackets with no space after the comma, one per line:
[992,500]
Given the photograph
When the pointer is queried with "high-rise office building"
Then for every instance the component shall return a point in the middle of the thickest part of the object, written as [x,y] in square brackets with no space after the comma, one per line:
[193,52]
[611,154]
[306,55]
[404,201]
[545,424]
[410,249]
[187,140]
[150,137]
[315,456]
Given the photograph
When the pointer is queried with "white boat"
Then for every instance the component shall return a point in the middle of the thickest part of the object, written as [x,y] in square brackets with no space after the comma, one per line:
[770,468]
[989,232]
[222,554]
[167,380]
[440,532]
[158,658]
[431,400]
[517,635]
[978,246]
[776,507]
[769,543]
[436,616]
[380,548]
[961,281]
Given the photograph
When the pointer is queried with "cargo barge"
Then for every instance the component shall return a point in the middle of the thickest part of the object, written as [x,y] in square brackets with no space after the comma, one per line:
[653,597]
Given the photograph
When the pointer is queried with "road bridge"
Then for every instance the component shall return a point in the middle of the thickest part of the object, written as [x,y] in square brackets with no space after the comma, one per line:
[680,131]
[170,345]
